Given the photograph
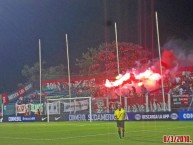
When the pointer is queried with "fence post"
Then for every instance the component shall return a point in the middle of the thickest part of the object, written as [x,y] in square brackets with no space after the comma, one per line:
[146,102]
[15,109]
[107,104]
[125,103]
[169,102]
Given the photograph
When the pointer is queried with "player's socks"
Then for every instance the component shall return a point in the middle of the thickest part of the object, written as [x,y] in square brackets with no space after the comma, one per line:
[123,133]
[119,132]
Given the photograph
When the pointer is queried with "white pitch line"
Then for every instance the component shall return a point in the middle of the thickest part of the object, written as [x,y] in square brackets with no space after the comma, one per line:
[73,137]
[44,139]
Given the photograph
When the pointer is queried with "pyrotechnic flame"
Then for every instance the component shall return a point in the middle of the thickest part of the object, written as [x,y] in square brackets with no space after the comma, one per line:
[117,82]
[148,74]
[148,77]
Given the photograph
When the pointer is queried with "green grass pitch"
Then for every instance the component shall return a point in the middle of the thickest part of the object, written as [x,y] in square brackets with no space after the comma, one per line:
[91,133]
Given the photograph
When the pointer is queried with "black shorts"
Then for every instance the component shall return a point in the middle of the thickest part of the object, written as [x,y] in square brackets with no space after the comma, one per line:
[120,123]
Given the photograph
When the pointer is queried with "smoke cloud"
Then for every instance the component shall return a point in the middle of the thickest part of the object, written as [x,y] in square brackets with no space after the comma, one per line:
[182,49]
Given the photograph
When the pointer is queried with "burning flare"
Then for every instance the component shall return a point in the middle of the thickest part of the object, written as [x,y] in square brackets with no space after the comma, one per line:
[147,77]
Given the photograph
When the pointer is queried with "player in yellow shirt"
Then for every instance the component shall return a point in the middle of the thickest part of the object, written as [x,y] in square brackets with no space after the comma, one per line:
[119,115]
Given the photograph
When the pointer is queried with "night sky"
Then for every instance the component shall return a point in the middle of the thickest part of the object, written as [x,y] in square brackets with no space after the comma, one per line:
[88,23]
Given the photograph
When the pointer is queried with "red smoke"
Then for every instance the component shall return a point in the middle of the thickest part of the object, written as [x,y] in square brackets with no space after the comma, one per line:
[149,77]
[168,59]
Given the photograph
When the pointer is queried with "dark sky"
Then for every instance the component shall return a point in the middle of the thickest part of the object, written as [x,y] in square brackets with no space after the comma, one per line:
[88,23]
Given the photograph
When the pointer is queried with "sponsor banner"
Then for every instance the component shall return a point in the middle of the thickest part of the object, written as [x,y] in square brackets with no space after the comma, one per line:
[156,116]
[52,118]
[95,117]
[42,118]
[19,119]
[13,119]
[28,118]
[185,115]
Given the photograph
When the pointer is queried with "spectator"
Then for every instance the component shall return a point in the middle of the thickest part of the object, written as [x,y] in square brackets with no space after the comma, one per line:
[143,91]
[133,92]
[180,91]
[38,113]
[26,113]
[178,79]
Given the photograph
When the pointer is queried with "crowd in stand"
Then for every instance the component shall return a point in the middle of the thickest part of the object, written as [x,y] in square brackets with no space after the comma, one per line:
[178,84]
[181,84]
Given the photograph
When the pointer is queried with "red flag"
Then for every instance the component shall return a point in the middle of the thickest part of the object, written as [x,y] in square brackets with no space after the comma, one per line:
[5,99]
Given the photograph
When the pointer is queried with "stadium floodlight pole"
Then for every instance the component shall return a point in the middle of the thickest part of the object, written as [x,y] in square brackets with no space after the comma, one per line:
[40,69]
[69,84]
[117,48]
[158,41]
